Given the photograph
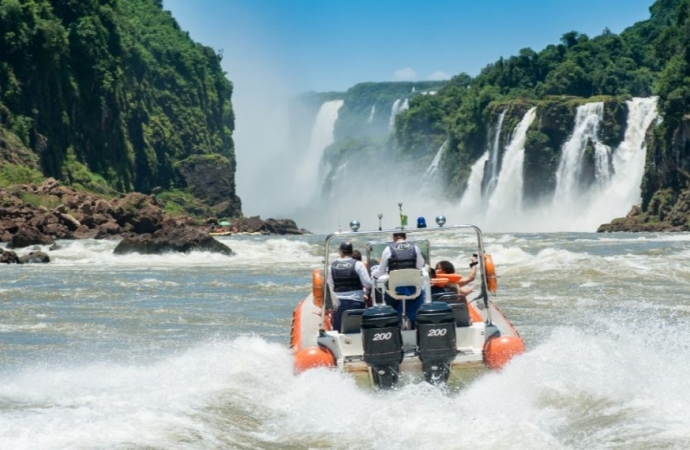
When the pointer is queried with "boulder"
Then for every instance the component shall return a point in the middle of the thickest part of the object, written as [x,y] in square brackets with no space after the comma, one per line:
[34,258]
[281,226]
[8,257]
[29,236]
[211,178]
[171,238]
[139,213]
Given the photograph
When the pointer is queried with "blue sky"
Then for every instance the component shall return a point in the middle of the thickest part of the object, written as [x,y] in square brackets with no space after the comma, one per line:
[325,45]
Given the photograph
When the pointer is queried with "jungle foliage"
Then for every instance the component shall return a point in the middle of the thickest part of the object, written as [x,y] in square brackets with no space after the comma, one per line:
[645,59]
[110,92]
[668,156]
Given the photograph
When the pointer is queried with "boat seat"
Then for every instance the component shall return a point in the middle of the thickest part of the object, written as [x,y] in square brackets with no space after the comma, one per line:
[404,284]
[351,321]
[458,303]
[449,297]
[462,314]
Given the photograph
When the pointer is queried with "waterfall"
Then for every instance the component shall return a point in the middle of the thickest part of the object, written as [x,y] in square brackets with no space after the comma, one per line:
[506,200]
[337,180]
[618,172]
[494,154]
[399,106]
[471,203]
[568,176]
[309,172]
[622,188]
[371,113]
[430,173]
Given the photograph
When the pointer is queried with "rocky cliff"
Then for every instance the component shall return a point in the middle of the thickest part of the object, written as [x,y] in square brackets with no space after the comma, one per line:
[111,95]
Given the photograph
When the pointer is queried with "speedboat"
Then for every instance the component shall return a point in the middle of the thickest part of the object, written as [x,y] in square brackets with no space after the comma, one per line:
[451,334]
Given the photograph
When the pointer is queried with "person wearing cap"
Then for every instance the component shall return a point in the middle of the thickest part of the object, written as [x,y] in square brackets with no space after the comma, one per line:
[401,254]
[347,278]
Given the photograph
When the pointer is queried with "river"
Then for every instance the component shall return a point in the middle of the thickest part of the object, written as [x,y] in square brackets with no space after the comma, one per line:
[190,351]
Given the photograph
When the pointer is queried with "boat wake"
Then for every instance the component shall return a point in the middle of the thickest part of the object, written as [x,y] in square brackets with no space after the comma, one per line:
[577,389]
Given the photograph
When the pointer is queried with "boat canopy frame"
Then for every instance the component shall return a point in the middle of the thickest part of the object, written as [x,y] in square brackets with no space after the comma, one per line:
[467,228]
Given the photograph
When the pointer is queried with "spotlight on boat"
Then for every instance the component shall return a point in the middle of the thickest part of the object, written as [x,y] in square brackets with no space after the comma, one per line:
[354,225]
[440,220]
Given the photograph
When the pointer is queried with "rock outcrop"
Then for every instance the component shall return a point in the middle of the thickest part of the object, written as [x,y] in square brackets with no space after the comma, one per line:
[39,215]
[9,257]
[666,212]
[172,237]
[211,179]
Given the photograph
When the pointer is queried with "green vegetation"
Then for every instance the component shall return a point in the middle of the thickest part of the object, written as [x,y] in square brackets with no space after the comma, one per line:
[355,118]
[666,172]
[11,174]
[49,202]
[644,59]
[179,202]
[110,93]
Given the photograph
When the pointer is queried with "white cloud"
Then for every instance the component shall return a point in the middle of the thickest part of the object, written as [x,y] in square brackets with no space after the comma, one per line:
[406,74]
[438,75]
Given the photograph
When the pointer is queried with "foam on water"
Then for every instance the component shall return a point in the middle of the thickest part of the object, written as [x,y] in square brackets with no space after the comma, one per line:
[249,252]
[171,361]
[579,388]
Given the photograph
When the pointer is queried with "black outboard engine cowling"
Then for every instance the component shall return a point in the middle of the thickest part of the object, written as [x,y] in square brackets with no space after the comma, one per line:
[436,339]
[382,342]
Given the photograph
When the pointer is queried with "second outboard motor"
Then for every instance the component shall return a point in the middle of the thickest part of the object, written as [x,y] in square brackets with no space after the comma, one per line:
[382,342]
[436,340]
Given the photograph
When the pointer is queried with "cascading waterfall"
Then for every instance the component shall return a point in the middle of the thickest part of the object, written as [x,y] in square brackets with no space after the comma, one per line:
[622,188]
[506,199]
[618,173]
[494,155]
[471,203]
[568,176]
[399,106]
[338,178]
[310,173]
[371,113]
[430,174]
[576,206]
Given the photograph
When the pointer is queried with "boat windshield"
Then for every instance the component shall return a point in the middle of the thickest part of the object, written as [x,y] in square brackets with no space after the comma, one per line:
[447,242]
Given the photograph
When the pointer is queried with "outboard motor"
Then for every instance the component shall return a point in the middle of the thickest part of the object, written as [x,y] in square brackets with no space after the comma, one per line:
[382,342]
[436,340]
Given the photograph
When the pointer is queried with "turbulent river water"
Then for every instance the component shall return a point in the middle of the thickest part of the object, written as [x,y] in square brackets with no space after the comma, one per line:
[190,351]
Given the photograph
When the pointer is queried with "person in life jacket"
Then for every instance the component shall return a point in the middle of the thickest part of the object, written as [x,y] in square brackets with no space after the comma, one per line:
[401,254]
[461,287]
[347,278]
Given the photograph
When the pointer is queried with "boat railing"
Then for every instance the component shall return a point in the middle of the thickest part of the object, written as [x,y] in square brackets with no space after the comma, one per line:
[483,296]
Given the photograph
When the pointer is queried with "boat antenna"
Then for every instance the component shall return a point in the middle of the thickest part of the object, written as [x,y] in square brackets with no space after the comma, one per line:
[403,217]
